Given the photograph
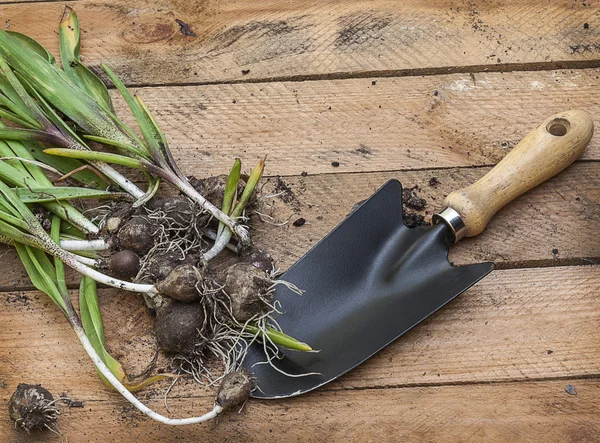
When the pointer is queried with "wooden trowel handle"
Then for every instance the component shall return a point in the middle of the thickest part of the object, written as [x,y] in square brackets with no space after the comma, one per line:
[543,153]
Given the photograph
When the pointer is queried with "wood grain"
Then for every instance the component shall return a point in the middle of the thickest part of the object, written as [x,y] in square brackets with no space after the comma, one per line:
[396,124]
[514,325]
[540,411]
[247,40]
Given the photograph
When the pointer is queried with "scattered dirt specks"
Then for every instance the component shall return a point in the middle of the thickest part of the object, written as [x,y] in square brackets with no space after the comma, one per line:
[357,29]
[363,150]
[17,298]
[285,192]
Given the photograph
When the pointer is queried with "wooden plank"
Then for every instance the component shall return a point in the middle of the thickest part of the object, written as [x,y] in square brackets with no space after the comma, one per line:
[554,224]
[540,411]
[396,124]
[246,40]
[517,324]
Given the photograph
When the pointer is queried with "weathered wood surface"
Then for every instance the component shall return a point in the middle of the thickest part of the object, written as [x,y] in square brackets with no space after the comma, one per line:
[247,40]
[399,90]
[534,411]
[554,224]
[516,325]
[398,123]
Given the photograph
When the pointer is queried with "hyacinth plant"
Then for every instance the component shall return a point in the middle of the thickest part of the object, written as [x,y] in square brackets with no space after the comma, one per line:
[81,97]
[60,121]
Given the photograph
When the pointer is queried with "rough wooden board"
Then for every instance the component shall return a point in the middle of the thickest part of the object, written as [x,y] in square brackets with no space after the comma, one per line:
[553,224]
[514,325]
[271,39]
[540,411]
[396,124]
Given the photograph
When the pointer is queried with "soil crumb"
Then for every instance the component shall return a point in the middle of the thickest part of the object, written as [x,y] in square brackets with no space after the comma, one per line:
[70,402]
[410,199]
[433,182]
[185,29]
[412,219]
[299,222]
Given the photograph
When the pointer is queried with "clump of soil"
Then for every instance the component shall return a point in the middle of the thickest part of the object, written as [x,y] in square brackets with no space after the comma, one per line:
[412,219]
[411,200]
[248,289]
[33,407]
[179,209]
[234,390]
[179,326]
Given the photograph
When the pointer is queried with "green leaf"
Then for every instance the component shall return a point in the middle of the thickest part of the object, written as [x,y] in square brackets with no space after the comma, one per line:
[279,338]
[8,230]
[134,106]
[153,185]
[7,155]
[66,165]
[94,155]
[10,116]
[33,45]
[91,318]
[56,87]
[30,135]
[39,195]
[35,171]
[34,111]
[10,195]
[12,100]
[15,221]
[253,180]
[230,191]
[69,34]
[123,146]
[39,276]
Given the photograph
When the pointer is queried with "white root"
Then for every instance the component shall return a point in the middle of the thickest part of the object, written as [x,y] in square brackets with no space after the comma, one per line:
[87,261]
[129,396]
[82,222]
[212,235]
[219,245]
[84,245]
[123,182]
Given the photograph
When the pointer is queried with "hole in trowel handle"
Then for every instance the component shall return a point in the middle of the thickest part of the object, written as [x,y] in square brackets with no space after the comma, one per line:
[558,127]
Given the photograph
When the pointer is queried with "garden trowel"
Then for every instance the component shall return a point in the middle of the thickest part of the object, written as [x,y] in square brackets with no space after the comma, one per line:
[372,279]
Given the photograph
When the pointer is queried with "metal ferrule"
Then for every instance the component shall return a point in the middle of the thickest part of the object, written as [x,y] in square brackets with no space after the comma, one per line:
[453,221]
